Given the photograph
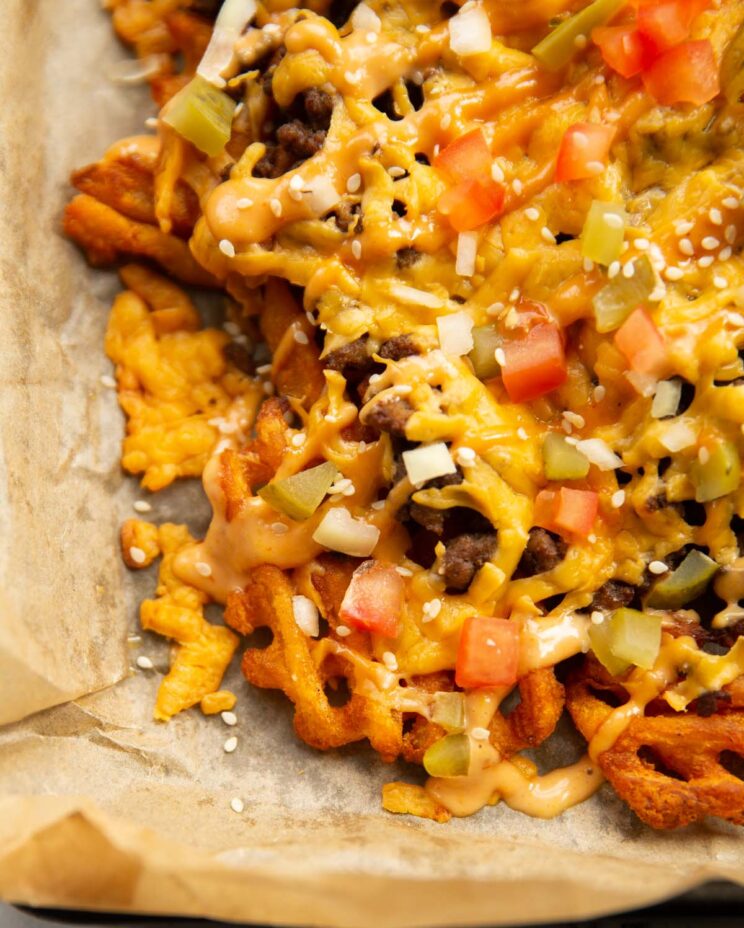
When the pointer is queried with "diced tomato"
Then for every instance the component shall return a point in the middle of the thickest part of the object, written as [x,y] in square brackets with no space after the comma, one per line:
[467,158]
[374,599]
[624,49]
[687,73]
[488,654]
[584,150]
[471,203]
[534,364]
[642,344]
[666,23]
[566,511]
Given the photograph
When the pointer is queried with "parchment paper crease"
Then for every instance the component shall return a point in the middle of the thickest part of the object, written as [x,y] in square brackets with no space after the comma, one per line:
[99,806]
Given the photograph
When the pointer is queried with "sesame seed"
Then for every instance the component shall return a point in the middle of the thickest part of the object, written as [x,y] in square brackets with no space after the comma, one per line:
[514,295]
[144,663]
[720,283]
[396,171]
[356,248]
[263,369]
[378,504]
[730,234]
[517,186]
[703,455]
[532,213]
[310,318]
[279,528]
[137,555]
[435,607]
[705,261]
[613,270]
[715,216]
[641,244]
[725,253]
[465,455]
[229,718]
[371,37]
[613,221]
[571,441]
[567,427]
[500,356]
[275,206]
[140,505]
[588,265]
[203,569]
[295,195]
[298,440]
[227,247]
[730,203]
[710,243]
[592,538]
[685,246]
[349,491]
[547,235]
[497,172]
[480,734]
[374,378]
[244,203]
[446,121]
[237,805]
[268,388]
[343,631]
[230,744]
[108,381]
[389,660]
[628,270]
[522,433]
[300,337]
[595,167]
[683,227]
[574,418]
[151,122]
[673,273]
[657,567]
[597,617]
[580,42]
[617,499]
[404,571]
[354,183]
[599,393]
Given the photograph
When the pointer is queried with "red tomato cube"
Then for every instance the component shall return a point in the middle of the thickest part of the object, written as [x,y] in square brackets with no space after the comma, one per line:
[467,158]
[472,203]
[687,73]
[642,344]
[488,653]
[373,600]
[534,364]
[584,149]
[624,49]
[667,22]
[566,511]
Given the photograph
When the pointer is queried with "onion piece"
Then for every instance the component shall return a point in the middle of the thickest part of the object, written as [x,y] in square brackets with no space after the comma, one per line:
[467,250]
[320,194]
[228,27]
[306,615]
[678,436]
[599,453]
[427,462]
[340,531]
[136,70]
[412,296]
[365,18]
[666,398]
[470,32]
[455,333]
[644,384]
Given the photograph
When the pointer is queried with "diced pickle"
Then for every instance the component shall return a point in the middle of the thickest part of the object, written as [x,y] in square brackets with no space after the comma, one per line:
[202,114]
[559,46]
[448,757]
[448,710]
[719,474]
[603,232]
[561,460]
[686,583]
[600,637]
[300,495]
[483,355]
[618,298]
[635,637]
[732,69]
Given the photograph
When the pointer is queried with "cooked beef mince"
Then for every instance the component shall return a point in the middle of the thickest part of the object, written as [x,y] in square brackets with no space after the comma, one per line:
[239,356]
[348,216]
[390,416]
[708,704]
[406,257]
[352,360]
[402,346]
[433,520]
[613,595]
[543,552]
[657,501]
[464,557]
[318,106]
[300,133]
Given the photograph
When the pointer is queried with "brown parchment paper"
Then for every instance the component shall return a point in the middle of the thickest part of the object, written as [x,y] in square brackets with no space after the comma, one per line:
[99,806]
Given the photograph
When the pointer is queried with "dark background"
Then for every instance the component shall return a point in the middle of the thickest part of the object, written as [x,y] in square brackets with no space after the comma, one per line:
[718,905]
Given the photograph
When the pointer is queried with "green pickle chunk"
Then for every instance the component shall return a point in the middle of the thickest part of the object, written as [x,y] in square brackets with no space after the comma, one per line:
[562,460]
[617,299]
[600,637]
[603,232]
[300,495]
[626,637]
[448,757]
[483,353]
[684,584]
[719,475]
[448,710]
[559,47]
[202,114]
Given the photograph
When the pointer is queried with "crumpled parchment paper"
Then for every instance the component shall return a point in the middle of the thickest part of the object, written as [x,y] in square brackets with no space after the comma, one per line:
[100,807]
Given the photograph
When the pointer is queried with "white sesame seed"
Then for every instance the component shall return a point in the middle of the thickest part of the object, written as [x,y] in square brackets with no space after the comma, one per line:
[296,182]
[237,805]
[396,171]
[435,607]
[300,337]
[517,186]
[137,555]
[268,388]
[356,248]
[547,235]
[263,369]
[628,270]
[230,744]
[730,234]
[389,660]
[144,663]
[140,505]
[378,504]
[532,213]
[570,440]
[298,440]
[703,455]
[592,538]
[108,381]
[725,253]
[613,270]
[229,718]
[500,356]
[731,203]
[617,499]
[446,121]
[349,491]
[720,283]
[673,273]
[295,195]
[354,183]
[514,295]
[710,243]
[465,455]
[567,427]
[657,567]
[151,122]
[279,528]
[613,221]
[683,227]
[244,203]
[343,631]
[686,246]
[705,261]
[497,172]
[641,244]
[715,216]
[480,734]
[595,167]
[599,393]
[227,248]
[580,42]
[522,433]
[404,571]
[574,418]
[275,206]
[588,265]
[597,617]
[203,569]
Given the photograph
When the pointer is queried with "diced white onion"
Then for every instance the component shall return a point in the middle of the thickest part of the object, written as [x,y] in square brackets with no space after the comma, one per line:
[455,333]
[228,27]
[470,32]
[306,615]
[666,398]
[678,435]
[467,249]
[365,18]
[412,296]
[427,462]
[136,70]
[599,453]
[644,384]
[320,194]
[340,531]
